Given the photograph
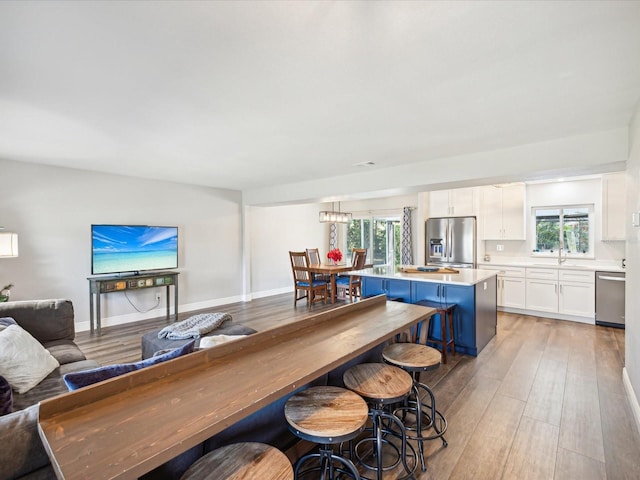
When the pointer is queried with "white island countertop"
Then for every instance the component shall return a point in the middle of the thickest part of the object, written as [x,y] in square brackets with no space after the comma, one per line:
[466,276]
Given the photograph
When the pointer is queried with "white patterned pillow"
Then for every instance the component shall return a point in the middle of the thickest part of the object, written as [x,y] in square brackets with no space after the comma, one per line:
[24,362]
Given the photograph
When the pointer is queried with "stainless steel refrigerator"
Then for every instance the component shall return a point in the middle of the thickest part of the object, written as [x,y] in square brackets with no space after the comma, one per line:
[451,242]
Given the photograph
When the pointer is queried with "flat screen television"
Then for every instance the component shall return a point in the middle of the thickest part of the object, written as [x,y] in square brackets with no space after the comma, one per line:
[132,248]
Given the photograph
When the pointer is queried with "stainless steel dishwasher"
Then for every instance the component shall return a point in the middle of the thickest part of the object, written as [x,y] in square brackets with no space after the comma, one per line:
[610,299]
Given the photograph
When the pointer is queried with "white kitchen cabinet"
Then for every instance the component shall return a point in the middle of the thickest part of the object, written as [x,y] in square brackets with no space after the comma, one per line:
[503,212]
[511,285]
[513,292]
[542,295]
[458,202]
[577,293]
[564,291]
[542,289]
[613,206]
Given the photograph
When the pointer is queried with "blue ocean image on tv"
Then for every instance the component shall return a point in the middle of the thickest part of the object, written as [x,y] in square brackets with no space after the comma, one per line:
[127,248]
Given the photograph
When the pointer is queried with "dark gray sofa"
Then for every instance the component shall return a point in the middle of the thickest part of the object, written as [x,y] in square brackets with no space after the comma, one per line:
[51,322]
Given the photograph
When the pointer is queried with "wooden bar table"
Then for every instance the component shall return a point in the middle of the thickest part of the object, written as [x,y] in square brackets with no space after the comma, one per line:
[127,426]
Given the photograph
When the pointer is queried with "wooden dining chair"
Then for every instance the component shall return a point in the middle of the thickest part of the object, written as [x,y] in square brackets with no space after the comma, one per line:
[313,256]
[354,252]
[353,283]
[303,281]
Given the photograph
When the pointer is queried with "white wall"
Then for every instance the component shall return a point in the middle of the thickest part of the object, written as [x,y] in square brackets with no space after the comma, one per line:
[571,192]
[52,209]
[632,315]
[273,232]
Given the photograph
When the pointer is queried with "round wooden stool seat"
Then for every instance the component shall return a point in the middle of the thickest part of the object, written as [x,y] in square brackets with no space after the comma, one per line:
[326,414]
[242,461]
[379,382]
[383,385]
[412,357]
[419,412]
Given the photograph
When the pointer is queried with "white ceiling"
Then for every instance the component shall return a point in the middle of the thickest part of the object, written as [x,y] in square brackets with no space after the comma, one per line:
[245,95]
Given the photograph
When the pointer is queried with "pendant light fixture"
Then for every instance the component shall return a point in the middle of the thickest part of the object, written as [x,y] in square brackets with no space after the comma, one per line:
[334,216]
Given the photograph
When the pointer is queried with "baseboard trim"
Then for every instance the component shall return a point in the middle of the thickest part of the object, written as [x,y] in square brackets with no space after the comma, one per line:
[190,307]
[633,398]
[158,312]
[555,316]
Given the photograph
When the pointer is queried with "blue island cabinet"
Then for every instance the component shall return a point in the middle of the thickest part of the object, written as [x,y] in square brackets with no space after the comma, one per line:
[398,290]
[474,317]
[475,314]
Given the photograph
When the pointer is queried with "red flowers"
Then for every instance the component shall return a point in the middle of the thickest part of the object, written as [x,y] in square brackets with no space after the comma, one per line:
[335,255]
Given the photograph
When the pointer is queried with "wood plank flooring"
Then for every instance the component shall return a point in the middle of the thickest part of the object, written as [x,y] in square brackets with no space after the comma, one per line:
[543,400]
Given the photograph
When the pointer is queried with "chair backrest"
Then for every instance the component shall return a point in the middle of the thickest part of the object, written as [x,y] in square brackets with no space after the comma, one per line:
[300,267]
[313,255]
[358,258]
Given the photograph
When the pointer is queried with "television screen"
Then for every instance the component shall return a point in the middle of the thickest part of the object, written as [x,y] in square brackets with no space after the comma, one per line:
[132,248]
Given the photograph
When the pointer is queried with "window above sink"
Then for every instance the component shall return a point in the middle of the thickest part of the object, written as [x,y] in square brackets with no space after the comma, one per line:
[575,222]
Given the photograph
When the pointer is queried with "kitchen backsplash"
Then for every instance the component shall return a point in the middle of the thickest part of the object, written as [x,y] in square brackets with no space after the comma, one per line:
[512,251]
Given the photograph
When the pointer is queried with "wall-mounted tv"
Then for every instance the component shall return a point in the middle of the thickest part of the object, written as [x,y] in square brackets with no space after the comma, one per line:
[132,248]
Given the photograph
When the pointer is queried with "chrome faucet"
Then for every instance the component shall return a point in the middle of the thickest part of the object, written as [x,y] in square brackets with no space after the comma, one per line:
[560,250]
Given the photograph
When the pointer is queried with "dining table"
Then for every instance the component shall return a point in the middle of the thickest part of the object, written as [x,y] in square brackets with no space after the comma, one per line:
[332,270]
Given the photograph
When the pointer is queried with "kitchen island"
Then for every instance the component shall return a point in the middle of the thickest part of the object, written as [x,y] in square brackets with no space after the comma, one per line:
[473,291]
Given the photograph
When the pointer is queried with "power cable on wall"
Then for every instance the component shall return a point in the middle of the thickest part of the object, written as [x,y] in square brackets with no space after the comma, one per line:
[137,309]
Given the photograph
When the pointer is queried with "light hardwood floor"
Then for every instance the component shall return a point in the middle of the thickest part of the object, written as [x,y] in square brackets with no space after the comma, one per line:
[543,400]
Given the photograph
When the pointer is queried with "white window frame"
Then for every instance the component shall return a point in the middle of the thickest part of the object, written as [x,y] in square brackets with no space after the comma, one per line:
[574,255]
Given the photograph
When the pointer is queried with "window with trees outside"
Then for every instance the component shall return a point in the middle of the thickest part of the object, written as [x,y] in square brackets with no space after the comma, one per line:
[380,236]
[570,224]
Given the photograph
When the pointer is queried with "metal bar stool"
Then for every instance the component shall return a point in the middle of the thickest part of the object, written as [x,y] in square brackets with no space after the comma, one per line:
[414,359]
[382,385]
[445,311]
[326,415]
[241,461]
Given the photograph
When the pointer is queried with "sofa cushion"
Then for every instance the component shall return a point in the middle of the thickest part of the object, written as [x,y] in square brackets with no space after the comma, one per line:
[52,385]
[82,379]
[24,362]
[46,320]
[65,351]
[6,397]
[24,452]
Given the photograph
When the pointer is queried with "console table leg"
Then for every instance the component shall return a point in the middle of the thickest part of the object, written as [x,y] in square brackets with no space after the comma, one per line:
[90,310]
[98,313]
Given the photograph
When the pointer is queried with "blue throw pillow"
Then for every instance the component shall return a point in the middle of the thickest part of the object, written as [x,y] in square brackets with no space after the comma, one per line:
[77,380]
[6,397]
[6,322]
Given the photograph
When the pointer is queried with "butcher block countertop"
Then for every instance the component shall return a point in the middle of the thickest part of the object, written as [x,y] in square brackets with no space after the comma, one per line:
[126,426]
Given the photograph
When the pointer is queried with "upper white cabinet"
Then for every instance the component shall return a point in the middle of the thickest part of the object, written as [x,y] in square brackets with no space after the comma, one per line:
[503,212]
[458,202]
[613,206]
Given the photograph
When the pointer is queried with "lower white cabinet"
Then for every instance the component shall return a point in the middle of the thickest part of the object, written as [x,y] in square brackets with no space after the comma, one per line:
[511,285]
[512,292]
[542,295]
[561,291]
[569,292]
[577,293]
